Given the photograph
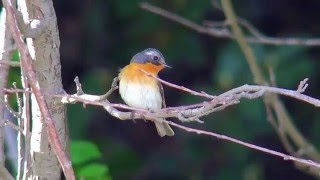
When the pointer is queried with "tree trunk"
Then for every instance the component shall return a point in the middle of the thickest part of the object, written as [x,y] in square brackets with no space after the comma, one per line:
[44,50]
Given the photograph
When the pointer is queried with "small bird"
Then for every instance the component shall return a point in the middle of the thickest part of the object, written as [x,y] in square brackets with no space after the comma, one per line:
[139,90]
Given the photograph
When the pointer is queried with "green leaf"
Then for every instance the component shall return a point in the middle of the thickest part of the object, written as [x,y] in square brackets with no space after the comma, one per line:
[94,171]
[16,56]
[230,63]
[83,151]
[126,9]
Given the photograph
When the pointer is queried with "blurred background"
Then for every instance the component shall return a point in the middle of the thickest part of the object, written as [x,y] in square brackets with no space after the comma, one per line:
[100,37]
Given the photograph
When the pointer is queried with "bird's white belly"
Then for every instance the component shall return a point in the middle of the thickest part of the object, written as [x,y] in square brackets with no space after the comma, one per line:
[145,97]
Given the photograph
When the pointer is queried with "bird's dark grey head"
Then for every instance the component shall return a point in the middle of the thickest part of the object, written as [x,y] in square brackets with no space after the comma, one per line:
[149,55]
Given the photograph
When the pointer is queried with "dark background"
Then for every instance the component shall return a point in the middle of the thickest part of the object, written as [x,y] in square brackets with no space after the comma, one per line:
[99,37]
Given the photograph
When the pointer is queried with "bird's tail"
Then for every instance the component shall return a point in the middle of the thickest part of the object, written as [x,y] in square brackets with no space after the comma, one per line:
[163,129]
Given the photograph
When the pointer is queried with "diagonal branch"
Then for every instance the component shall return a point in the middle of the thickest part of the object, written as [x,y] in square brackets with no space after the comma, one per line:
[10,63]
[225,33]
[251,146]
[182,88]
[287,130]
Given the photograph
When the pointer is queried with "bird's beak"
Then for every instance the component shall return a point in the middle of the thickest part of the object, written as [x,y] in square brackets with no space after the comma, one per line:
[167,66]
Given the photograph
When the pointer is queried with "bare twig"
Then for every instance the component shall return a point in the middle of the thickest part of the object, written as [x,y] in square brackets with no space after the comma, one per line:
[151,115]
[274,90]
[11,124]
[114,87]
[195,111]
[79,86]
[286,130]
[279,128]
[252,146]
[245,91]
[20,147]
[303,85]
[202,94]
[25,123]
[9,108]
[241,21]
[225,33]
[6,46]
[239,37]
[10,63]
[14,90]
[255,32]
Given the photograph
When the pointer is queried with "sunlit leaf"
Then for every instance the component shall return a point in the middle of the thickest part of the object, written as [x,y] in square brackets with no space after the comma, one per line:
[83,151]
[94,171]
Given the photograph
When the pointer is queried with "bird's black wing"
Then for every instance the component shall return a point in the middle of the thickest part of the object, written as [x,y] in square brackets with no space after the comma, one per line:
[162,95]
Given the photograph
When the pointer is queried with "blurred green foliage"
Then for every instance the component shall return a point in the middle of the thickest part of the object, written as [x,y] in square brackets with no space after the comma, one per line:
[84,155]
[99,37]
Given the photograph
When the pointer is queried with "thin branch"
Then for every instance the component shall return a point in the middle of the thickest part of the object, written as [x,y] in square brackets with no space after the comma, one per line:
[250,89]
[255,32]
[223,24]
[11,124]
[151,116]
[274,90]
[225,33]
[185,22]
[303,85]
[239,37]
[252,146]
[25,119]
[287,130]
[20,149]
[10,63]
[194,111]
[244,91]
[182,88]
[9,108]
[281,134]
[14,90]
[6,46]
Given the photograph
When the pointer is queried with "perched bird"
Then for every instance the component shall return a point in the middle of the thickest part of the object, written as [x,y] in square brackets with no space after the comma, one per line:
[139,90]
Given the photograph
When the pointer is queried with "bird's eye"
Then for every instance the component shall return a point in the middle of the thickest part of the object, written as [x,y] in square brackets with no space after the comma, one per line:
[156,58]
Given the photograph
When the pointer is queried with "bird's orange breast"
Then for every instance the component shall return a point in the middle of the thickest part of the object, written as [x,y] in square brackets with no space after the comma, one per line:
[133,73]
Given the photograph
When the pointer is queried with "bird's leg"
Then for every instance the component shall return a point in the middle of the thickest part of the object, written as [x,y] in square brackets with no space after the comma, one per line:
[132,116]
[152,111]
